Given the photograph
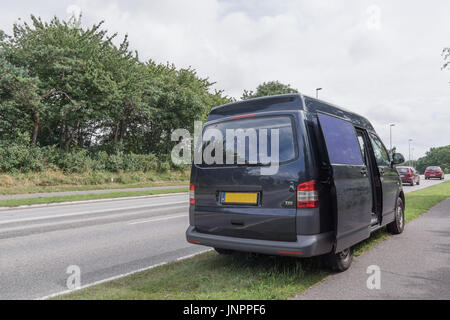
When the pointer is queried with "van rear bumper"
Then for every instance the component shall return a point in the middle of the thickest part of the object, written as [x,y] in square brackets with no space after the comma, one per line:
[305,246]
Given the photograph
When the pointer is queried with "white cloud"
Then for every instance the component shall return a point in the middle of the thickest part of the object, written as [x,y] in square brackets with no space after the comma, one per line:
[379,58]
[73,10]
[373,21]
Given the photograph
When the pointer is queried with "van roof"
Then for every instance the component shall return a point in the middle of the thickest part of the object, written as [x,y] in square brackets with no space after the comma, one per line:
[287,102]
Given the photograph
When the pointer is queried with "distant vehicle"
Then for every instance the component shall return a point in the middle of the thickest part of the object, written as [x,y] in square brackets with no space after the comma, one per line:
[335,185]
[409,175]
[434,173]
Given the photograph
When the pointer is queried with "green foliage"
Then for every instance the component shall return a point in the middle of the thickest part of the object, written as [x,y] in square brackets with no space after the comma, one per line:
[435,157]
[94,104]
[22,158]
[268,89]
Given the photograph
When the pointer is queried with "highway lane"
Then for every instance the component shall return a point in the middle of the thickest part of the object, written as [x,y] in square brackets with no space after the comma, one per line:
[104,238]
[423,184]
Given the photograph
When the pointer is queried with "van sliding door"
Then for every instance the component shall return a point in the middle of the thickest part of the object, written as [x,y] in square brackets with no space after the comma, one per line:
[353,193]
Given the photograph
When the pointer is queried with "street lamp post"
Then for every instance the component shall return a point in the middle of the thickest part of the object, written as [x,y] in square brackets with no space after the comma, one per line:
[317,92]
[390,135]
[409,141]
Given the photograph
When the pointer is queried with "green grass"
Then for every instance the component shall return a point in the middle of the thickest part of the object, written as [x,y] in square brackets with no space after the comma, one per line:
[62,199]
[59,181]
[211,276]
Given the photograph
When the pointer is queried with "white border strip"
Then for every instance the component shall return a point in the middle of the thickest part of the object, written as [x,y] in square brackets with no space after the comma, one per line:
[119,276]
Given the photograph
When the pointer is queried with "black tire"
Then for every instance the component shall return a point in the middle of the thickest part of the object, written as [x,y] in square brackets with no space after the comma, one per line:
[418,182]
[398,225]
[224,251]
[340,261]
[412,183]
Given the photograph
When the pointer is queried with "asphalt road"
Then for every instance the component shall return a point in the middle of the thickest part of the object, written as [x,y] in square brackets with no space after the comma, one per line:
[424,184]
[104,239]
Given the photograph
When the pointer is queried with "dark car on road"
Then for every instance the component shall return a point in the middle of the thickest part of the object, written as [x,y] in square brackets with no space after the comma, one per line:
[335,183]
[409,175]
[434,173]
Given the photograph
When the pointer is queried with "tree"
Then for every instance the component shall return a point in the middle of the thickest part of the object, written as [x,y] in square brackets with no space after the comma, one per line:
[268,89]
[20,102]
[74,86]
[435,157]
[180,98]
[71,87]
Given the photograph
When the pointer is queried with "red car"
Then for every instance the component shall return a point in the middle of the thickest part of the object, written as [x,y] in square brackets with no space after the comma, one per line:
[434,172]
[409,175]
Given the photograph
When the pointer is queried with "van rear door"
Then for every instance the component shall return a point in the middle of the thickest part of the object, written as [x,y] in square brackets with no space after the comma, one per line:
[236,199]
[353,193]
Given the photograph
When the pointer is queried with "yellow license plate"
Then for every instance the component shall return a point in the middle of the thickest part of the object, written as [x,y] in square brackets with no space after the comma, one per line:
[239,198]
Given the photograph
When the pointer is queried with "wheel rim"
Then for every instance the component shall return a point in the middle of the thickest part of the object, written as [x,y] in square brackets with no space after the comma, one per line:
[344,255]
[400,217]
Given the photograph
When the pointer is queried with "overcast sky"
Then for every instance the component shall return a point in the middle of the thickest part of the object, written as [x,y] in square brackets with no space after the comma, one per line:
[381,59]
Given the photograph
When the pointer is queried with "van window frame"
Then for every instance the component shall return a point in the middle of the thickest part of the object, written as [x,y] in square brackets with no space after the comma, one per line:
[257,116]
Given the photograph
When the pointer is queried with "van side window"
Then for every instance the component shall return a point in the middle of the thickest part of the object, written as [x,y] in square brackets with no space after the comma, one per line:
[362,146]
[381,154]
[340,137]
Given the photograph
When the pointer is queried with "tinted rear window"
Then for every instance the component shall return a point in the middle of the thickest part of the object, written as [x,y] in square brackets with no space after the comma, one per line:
[254,126]
[403,170]
[433,169]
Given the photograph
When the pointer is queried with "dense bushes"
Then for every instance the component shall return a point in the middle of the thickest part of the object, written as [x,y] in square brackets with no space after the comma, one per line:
[19,158]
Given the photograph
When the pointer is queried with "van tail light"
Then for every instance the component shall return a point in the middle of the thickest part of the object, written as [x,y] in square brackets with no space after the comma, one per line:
[192,194]
[308,195]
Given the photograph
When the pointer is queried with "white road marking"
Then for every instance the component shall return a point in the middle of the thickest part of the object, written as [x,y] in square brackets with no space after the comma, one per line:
[71,203]
[89,212]
[118,277]
[159,219]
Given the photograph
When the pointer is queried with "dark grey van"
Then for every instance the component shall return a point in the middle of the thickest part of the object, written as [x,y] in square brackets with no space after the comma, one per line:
[336,183]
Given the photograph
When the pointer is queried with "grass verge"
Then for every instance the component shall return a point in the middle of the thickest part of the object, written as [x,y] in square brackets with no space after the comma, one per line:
[62,199]
[59,181]
[211,276]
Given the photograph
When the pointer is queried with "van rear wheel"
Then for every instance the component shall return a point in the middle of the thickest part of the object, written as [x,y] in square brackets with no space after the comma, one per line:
[224,251]
[398,225]
[340,261]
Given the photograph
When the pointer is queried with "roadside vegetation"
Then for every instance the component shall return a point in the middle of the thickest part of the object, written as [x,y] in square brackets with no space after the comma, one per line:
[80,108]
[435,157]
[59,181]
[212,276]
[78,100]
[84,197]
